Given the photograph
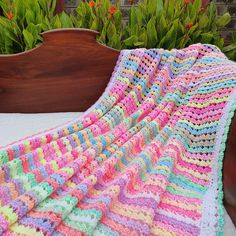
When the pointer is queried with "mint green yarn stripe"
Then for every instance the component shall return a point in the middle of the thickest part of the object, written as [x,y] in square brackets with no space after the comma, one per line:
[84,220]
[230,113]
[3,157]
[123,79]
[185,194]
[187,182]
[199,126]
[80,226]
[27,181]
[16,167]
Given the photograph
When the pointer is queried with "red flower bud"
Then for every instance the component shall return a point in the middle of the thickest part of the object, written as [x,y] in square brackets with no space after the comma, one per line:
[10,15]
[112,10]
[188,1]
[189,25]
[91,3]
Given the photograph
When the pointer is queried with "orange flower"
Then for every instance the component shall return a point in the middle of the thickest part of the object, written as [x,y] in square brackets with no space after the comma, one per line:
[112,10]
[189,25]
[188,1]
[91,3]
[10,15]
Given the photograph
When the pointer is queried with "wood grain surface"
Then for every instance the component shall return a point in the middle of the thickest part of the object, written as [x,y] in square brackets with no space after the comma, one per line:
[68,72]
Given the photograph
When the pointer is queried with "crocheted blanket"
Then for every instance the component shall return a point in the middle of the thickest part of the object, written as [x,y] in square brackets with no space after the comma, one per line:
[145,159]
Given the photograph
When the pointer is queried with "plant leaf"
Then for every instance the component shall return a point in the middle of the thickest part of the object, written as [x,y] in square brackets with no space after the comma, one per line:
[223,20]
[151,33]
[203,21]
[28,38]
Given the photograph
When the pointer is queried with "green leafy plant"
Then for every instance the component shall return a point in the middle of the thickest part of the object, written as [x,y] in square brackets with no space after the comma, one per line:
[151,24]
[103,17]
[156,24]
[230,50]
[174,23]
[23,21]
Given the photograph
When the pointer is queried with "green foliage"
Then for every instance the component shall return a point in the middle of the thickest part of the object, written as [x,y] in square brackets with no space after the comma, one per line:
[152,24]
[156,24]
[23,21]
[174,24]
[103,17]
[230,50]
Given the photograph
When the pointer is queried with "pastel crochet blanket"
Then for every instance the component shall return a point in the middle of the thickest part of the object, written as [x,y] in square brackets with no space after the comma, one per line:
[145,159]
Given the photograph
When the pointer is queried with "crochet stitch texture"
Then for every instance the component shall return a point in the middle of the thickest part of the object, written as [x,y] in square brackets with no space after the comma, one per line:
[145,159]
